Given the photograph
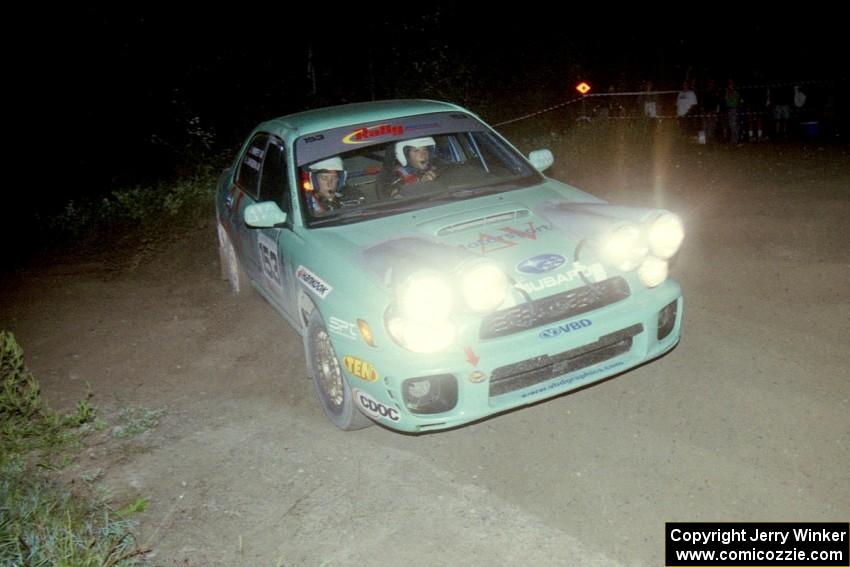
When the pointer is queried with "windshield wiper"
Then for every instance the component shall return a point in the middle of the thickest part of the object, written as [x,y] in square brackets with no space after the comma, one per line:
[395,206]
[344,217]
[382,209]
[477,191]
[472,192]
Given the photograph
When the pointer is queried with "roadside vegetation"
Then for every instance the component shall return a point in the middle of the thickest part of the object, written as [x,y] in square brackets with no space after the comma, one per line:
[114,227]
[143,214]
[44,518]
[184,201]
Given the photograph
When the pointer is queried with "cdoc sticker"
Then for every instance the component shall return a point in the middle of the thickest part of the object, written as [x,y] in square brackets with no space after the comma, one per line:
[360,368]
[374,408]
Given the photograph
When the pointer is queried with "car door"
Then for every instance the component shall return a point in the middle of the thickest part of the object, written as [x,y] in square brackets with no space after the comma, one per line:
[275,270]
[244,192]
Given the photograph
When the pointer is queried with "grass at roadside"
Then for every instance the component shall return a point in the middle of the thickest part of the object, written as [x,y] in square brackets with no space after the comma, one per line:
[136,218]
[42,520]
[184,200]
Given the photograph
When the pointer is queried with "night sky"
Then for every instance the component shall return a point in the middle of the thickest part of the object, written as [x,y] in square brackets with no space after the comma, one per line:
[145,93]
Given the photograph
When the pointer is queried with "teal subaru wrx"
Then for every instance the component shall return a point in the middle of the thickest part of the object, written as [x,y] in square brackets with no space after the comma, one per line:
[435,275]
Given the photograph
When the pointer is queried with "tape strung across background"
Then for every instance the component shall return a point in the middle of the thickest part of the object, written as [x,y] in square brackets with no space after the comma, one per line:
[645,93]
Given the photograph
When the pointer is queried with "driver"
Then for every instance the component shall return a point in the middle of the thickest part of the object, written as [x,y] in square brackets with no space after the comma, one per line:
[415,161]
[323,185]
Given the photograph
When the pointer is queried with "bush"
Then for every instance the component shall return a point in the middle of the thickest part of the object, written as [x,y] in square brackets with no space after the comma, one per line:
[186,200]
[27,423]
[41,521]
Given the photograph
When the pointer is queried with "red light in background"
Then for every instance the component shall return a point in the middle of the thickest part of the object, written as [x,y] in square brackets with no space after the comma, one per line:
[583,87]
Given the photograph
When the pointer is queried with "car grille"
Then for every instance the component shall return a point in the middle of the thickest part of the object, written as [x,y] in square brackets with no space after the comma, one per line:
[553,308]
[541,368]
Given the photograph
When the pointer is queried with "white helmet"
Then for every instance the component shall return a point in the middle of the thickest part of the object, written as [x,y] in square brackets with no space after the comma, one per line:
[329,164]
[414,143]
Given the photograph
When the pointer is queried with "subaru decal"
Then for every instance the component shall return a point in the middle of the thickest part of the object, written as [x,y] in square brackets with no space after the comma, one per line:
[541,263]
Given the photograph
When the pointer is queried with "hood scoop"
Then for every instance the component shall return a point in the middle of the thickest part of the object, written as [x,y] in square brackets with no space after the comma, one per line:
[502,217]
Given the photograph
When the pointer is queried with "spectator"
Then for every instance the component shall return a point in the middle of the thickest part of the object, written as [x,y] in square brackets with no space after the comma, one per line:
[648,107]
[733,101]
[710,110]
[800,108]
[649,102]
[615,108]
[754,106]
[685,103]
[781,96]
[799,97]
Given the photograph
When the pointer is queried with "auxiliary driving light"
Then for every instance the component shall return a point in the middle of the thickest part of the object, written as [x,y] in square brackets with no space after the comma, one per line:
[665,235]
[624,248]
[653,271]
[426,297]
[485,287]
[430,394]
[422,337]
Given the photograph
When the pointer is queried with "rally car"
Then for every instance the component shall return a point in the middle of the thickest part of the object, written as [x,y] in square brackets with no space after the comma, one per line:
[435,274]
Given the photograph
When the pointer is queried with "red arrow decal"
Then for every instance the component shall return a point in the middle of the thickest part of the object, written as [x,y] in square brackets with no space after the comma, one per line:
[471,357]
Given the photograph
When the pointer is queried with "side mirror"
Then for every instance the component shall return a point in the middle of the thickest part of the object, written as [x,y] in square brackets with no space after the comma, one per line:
[263,215]
[541,159]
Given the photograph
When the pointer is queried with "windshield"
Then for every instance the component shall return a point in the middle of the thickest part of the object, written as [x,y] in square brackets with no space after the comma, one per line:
[355,173]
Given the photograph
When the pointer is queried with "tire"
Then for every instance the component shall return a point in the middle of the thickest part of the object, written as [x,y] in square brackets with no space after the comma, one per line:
[330,382]
[231,269]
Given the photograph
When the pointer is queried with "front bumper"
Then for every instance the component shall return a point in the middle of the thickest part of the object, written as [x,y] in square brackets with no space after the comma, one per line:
[499,374]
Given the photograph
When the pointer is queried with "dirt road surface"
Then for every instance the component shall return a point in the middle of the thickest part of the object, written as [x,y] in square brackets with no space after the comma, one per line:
[748,419]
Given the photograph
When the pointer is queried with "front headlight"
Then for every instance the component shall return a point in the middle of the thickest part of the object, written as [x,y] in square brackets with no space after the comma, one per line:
[419,321]
[665,235]
[485,287]
[425,298]
[422,337]
[624,248]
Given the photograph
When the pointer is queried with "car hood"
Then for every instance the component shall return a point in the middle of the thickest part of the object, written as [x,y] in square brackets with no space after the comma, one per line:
[534,235]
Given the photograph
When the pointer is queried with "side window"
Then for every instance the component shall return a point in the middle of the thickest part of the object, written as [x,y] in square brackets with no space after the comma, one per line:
[249,168]
[449,150]
[468,145]
[495,155]
[274,183]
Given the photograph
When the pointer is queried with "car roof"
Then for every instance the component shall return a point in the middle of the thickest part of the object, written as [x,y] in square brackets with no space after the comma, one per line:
[358,113]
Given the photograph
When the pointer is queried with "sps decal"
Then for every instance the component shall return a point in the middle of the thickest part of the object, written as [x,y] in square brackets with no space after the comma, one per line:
[342,328]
